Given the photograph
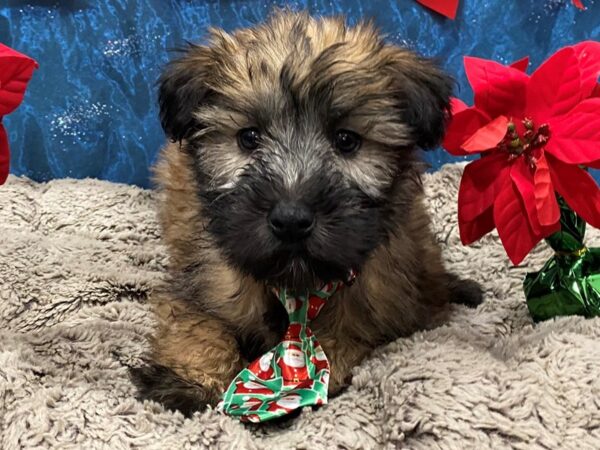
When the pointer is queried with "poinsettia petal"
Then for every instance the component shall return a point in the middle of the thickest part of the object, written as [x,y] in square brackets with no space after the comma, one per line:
[575,138]
[578,188]
[461,127]
[457,105]
[522,177]
[471,231]
[555,87]
[4,154]
[498,89]
[15,73]
[479,185]
[537,195]
[488,136]
[596,91]
[548,211]
[513,227]
[521,64]
[588,55]
[446,8]
[547,230]
[579,4]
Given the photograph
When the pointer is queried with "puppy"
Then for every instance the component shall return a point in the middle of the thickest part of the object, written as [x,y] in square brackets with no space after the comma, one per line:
[293,160]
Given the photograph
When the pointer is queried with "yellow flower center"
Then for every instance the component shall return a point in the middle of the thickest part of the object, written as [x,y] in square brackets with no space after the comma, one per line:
[524,140]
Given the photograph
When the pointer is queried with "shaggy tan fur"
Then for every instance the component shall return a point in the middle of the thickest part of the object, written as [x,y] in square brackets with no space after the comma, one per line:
[395,294]
[214,316]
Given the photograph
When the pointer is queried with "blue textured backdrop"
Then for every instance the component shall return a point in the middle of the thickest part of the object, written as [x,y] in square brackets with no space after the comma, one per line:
[91,112]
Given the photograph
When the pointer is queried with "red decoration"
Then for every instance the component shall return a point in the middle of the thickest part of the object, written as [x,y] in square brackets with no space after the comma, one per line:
[444,7]
[448,8]
[15,72]
[533,133]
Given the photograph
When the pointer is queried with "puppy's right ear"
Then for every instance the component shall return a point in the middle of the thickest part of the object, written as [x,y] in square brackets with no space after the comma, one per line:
[182,90]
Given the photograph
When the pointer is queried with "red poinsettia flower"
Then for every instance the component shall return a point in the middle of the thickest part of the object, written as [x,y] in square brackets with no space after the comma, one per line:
[15,72]
[579,4]
[533,132]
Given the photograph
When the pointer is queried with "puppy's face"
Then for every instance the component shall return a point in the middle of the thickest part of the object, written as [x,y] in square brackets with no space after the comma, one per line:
[302,134]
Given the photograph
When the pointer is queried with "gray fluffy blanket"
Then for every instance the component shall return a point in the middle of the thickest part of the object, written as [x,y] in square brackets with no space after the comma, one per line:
[78,260]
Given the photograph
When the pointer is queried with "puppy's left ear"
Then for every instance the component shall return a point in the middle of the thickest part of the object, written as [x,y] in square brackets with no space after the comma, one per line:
[423,92]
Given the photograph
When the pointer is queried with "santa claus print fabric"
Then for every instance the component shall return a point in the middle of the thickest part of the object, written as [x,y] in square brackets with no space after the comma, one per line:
[292,375]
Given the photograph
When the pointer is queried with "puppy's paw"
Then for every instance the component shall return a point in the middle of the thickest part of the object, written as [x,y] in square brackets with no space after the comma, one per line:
[162,385]
[336,387]
[465,292]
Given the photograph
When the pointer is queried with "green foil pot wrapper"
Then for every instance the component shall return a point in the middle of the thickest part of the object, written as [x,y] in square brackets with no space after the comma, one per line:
[569,282]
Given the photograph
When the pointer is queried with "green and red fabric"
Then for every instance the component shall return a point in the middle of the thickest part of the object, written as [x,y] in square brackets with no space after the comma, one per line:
[292,375]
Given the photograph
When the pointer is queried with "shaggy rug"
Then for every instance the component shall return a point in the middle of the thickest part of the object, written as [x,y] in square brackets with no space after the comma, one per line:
[78,260]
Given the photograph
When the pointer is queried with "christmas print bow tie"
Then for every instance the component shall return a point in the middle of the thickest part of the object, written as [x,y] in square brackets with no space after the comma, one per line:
[292,375]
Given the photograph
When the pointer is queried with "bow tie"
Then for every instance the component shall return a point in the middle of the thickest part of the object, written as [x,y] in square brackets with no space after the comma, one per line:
[292,375]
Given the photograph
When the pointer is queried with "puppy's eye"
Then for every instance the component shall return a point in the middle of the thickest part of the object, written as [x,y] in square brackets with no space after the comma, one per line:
[248,139]
[346,141]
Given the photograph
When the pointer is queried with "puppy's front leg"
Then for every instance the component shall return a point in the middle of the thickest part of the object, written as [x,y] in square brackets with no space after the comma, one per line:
[343,354]
[195,358]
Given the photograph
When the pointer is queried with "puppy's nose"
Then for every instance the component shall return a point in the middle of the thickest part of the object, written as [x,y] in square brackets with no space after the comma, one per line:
[291,221]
